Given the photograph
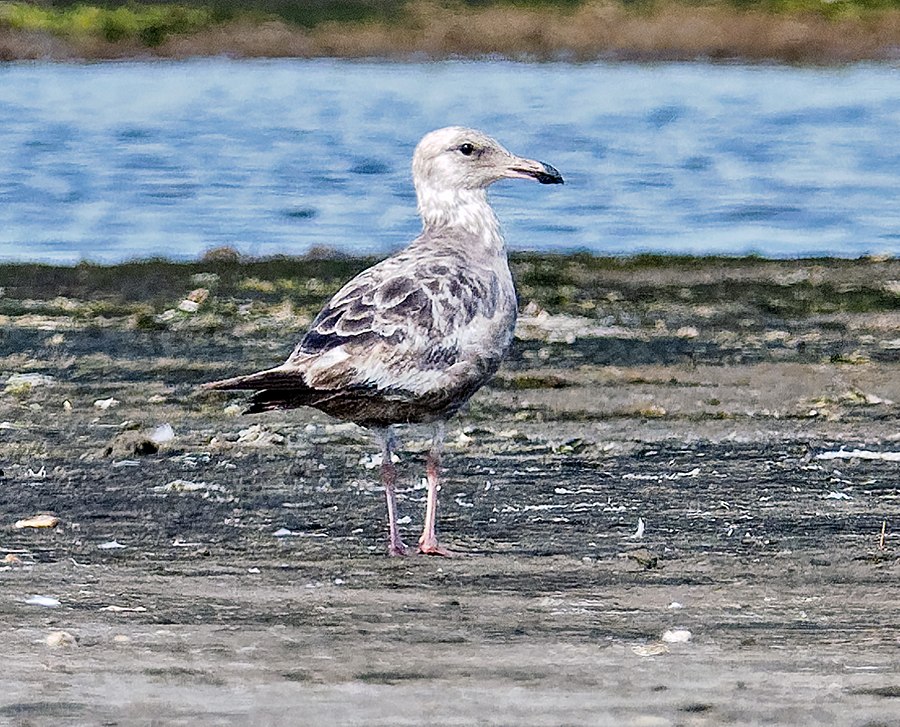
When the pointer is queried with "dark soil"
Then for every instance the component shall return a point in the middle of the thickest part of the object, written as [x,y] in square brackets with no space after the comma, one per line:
[668,449]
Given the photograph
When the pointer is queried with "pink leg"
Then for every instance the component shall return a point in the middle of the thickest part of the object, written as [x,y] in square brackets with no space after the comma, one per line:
[428,542]
[389,480]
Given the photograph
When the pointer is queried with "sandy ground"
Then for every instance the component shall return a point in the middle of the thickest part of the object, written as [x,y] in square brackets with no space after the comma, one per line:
[677,515]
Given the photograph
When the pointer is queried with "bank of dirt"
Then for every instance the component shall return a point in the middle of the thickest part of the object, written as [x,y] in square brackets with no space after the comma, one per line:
[706,448]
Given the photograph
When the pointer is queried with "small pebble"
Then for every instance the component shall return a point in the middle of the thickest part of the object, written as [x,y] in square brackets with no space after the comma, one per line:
[162,434]
[45,601]
[676,636]
[38,521]
[650,649]
[111,545]
[59,638]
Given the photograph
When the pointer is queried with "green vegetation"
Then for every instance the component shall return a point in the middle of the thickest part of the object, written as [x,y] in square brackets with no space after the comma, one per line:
[791,30]
[148,24]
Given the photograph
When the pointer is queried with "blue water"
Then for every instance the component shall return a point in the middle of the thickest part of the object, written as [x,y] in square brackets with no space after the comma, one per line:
[111,162]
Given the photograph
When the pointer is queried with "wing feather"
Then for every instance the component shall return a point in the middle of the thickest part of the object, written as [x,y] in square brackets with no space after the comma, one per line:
[402,323]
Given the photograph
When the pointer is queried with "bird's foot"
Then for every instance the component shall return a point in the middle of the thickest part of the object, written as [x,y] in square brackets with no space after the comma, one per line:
[430,546]
[397,548]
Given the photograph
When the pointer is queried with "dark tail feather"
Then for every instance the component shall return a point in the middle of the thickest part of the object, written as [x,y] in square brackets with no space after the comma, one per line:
[269,399]
[274,389]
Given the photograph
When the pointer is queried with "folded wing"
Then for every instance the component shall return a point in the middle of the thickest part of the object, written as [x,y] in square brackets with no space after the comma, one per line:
[412,329]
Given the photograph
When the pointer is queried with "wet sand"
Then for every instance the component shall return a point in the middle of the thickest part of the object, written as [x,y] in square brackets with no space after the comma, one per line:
[237,576]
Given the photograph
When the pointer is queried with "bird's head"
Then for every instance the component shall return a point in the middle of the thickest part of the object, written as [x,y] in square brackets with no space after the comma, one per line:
[452,169]
[457,158]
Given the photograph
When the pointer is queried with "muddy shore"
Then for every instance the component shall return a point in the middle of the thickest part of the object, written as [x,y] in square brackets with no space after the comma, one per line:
[677,504]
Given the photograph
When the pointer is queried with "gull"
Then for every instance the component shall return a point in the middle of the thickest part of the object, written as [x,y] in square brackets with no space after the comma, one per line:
[412,338]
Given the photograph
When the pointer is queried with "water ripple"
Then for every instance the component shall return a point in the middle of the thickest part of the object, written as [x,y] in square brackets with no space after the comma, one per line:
[114,161]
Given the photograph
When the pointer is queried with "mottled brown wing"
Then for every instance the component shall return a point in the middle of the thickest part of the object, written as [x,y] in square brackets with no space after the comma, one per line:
[411,337]
[396,325]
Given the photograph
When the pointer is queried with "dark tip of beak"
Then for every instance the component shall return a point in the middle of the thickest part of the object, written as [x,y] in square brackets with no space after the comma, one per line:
[549,176]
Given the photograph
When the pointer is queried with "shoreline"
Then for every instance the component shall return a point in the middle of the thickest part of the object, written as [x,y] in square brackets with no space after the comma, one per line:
[654,308]
[428,31]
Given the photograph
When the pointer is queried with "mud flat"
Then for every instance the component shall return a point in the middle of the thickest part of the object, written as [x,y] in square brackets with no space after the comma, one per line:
[676,505]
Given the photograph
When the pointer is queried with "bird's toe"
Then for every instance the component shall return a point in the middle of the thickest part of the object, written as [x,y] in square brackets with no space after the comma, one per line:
[433,547]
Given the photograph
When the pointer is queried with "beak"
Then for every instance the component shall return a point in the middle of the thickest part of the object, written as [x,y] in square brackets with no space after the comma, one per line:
[521,168]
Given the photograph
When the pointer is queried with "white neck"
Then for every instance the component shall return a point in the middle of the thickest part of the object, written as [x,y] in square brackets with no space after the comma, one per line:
[465,210]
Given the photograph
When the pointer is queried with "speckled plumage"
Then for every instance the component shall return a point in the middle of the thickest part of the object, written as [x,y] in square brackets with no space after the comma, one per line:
[411,339]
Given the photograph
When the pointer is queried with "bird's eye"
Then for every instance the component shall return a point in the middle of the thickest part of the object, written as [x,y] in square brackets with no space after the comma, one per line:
[467,149]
